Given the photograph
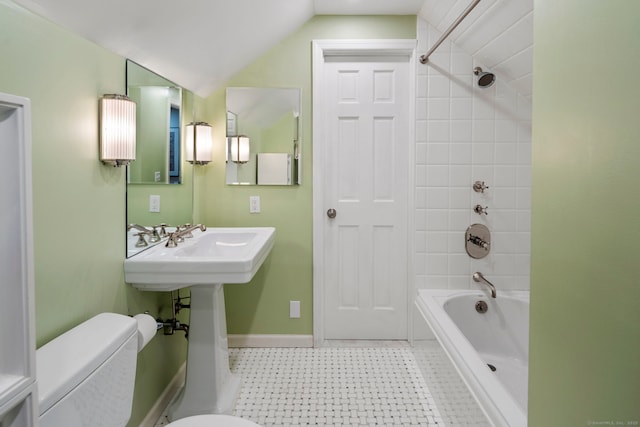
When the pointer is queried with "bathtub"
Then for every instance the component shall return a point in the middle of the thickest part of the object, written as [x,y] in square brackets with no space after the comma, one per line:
[490,350]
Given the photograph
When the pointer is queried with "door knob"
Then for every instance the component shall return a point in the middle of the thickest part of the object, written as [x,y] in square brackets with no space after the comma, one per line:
[331,213]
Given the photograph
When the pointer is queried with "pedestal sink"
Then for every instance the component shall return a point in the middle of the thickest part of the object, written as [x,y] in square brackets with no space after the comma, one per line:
[204,263]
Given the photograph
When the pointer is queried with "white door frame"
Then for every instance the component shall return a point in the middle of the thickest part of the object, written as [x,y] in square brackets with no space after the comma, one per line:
[326,48]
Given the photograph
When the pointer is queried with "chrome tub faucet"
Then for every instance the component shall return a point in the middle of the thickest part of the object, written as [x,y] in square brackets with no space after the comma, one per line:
[478,277]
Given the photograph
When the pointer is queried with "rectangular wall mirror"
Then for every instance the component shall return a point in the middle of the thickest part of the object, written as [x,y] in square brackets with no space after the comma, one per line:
[160,171]
[263,136]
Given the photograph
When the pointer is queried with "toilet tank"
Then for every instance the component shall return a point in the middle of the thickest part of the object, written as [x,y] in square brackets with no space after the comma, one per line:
[85,377]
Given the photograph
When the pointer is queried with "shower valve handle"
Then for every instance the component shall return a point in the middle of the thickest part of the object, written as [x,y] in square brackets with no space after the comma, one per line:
[479,186]
[480,210]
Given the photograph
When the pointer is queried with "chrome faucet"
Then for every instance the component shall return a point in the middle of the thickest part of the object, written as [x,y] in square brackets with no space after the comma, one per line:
[478,277]
[181,233]
[139,228]
[155,237]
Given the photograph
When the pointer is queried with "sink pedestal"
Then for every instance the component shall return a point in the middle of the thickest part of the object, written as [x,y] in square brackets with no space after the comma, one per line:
[210,387]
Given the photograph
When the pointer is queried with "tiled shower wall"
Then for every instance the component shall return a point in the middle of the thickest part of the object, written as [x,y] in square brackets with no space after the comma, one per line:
[466,134]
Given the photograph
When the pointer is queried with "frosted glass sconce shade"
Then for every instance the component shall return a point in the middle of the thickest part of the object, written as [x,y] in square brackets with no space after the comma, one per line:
[199,141]
[239,150]
[117,130]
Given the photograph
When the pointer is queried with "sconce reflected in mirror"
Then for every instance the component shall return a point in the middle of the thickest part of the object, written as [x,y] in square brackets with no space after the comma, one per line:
[238,149]
[267,118]
[199,148]
[117,130]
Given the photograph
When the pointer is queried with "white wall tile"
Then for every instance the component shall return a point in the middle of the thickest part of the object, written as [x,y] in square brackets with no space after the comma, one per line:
[436,241]
[506,131]
[471,134]
[438,87]
[506,153]
[483,153]
[460,198]
[460,176]
[437,197]
[436,220]
[438,153]
[437,130]
[483,130]
[438,175]
[421,153]
[437,264]
[461,130]
[438,108]
[461,109]
[460,153]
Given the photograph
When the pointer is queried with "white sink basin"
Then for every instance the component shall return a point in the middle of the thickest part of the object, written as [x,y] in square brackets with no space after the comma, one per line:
[217,255]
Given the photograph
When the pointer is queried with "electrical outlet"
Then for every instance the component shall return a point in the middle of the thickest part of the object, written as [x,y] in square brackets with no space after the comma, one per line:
[254,204]
[154,203]
[294,309]
[157,176]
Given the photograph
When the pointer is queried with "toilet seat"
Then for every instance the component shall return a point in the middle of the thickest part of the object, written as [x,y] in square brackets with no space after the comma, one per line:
[212,421]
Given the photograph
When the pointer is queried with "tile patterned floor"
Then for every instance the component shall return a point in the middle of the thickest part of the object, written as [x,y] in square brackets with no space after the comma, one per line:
[455,403]
[349,385]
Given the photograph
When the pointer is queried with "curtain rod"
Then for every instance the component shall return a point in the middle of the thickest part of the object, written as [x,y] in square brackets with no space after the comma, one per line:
[424,58]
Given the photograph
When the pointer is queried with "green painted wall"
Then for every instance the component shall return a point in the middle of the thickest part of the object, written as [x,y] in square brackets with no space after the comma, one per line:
[585,315]
[79,204]
[262,306]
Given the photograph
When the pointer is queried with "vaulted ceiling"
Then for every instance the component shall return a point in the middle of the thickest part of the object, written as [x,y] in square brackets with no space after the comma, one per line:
[204,45]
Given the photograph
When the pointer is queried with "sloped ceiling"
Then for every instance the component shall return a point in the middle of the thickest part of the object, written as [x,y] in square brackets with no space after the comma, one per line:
[203,46]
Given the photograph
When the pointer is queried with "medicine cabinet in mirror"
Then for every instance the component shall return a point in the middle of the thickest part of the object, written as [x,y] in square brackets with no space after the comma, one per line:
[160,173]
[263,136]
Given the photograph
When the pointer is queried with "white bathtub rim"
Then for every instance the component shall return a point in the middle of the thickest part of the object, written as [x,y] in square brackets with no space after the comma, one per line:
[473,371]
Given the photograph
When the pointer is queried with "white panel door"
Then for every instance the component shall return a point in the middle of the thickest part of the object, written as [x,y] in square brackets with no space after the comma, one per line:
[366,170]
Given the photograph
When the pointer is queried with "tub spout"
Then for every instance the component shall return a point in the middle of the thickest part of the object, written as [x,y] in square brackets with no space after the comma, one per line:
[478,277]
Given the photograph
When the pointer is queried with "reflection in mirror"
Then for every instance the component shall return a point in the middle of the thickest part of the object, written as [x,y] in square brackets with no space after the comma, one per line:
[263,136]
[158,117]
[148,204]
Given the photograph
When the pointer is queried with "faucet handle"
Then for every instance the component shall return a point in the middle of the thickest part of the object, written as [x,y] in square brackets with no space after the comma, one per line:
[155,237]
[172,240]
[163,229]
[479,187]
[480,210]
[141,243]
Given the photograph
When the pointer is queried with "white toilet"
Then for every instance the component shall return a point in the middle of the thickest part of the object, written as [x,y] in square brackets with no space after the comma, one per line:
[86,377]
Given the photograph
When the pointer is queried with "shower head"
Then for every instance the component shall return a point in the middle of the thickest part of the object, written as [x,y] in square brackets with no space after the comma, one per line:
[485,79]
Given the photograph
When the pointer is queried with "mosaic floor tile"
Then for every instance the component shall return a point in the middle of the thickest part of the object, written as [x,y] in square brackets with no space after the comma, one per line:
[350,384]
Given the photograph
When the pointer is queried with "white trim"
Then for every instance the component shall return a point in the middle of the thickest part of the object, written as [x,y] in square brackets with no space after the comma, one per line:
[165,398]
[269,340]
[337,48]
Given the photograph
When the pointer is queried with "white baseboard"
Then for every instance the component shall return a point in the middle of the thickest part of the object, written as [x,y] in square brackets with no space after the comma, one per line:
[165,398]
[266,340]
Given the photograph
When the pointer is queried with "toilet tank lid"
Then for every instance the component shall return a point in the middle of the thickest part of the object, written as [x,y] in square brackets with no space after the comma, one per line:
[64,362]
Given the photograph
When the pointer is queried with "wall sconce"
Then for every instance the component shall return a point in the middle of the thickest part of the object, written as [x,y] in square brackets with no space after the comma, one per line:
[239,148]
[117,130]
[199,141]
